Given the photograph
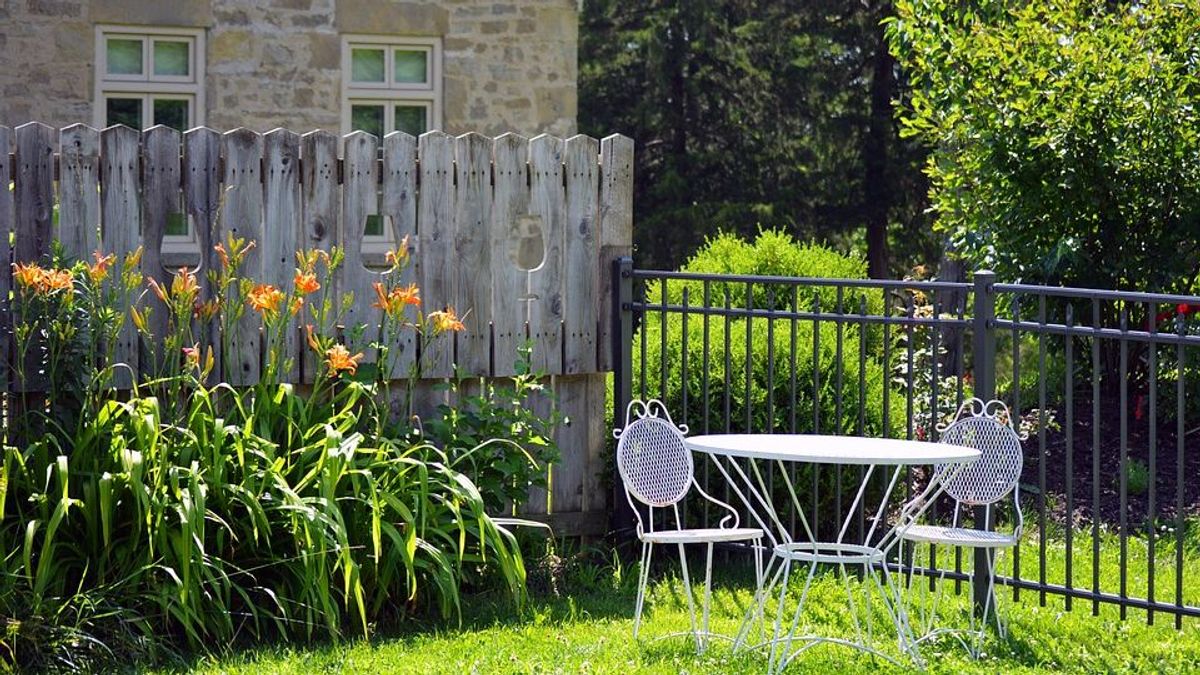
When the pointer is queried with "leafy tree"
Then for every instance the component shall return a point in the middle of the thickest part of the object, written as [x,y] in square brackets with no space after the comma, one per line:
[1065,136]
[749,112]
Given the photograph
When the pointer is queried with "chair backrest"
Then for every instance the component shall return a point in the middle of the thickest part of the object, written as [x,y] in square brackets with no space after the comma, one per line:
[987,427]
[655,465]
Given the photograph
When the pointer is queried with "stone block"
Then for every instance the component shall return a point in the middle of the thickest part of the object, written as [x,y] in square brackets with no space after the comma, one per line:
[184,13]
[386,17]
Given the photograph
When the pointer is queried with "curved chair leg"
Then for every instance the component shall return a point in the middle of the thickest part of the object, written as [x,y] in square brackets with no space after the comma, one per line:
[643,578]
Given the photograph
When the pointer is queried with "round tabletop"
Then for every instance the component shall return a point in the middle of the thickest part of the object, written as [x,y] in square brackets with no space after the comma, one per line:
[816,449]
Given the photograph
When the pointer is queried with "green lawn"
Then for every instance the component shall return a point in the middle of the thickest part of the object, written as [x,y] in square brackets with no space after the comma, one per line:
[588,629]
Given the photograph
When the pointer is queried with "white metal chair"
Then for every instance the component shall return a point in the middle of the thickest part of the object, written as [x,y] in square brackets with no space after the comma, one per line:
[987,427]
[657,471]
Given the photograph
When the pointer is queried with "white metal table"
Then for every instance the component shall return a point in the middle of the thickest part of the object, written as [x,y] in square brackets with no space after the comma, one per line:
[746,479]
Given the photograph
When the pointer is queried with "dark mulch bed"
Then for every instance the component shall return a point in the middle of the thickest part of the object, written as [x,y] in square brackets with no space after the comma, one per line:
[1163,490]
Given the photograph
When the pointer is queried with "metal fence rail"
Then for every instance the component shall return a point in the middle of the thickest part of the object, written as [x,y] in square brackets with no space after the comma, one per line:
[1108,383]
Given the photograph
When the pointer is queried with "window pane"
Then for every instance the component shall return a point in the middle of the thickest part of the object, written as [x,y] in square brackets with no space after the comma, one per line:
[124,57]
[177,225]
[366,65]
[411,66]
[127,111]
[411,119]
[170,58]
[368,118]
[374,226]
[171,112]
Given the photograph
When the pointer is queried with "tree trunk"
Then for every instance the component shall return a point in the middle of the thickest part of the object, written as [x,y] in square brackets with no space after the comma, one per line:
[877,190]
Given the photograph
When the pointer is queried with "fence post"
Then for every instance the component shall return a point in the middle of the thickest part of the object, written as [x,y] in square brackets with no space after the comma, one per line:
[622,360]
[984,333]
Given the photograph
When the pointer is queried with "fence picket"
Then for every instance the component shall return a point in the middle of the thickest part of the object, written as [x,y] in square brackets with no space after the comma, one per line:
[121,217]
[510,216]
[473,218]
[616,227]
[435,226]
[6,229]
[359,200]
[320,208]
[35,190]
[547,201]
[201,201]
[79,191]
[281,217]
[399,211]
[581,253]
[241,216]
[160,199]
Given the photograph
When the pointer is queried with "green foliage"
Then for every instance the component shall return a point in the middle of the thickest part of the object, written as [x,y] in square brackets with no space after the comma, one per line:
[765,344]
[1065,136]
[499,436]
[187,512]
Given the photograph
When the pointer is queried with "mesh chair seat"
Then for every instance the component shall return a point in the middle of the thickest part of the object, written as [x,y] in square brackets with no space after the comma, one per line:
[700,536]
[959,536]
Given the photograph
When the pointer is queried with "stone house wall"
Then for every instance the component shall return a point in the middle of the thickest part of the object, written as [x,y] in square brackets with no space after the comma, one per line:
[508,65]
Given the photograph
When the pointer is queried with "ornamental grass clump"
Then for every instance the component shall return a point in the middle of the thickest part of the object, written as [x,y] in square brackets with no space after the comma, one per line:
[151,511]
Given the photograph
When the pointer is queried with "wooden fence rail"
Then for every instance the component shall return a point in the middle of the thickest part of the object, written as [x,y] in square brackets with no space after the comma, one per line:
[514,233]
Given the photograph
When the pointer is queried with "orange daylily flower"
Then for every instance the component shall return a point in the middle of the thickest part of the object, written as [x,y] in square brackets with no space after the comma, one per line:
[445,321]
[296,306]
[306,283]
[338,358]
[57,280]
[394,301]
[265,298]
[407,295]
[27,275]
[99,270]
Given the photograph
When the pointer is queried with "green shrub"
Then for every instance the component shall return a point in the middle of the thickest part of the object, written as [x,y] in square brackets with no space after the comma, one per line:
[774,254]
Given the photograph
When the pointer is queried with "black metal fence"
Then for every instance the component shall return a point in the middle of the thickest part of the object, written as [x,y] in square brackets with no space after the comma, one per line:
[1106,384]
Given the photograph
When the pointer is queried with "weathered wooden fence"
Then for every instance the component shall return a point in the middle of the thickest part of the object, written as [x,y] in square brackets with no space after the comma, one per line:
[468,203]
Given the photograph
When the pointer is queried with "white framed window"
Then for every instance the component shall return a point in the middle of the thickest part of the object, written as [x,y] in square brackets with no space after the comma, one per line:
[390,84]
[148,75]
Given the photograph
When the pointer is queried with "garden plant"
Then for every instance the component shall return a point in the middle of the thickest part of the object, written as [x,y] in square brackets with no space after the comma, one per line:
[146,513]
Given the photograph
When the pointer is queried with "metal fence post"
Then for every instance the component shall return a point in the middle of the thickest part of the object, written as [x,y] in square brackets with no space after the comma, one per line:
[984,367]
[622,352]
